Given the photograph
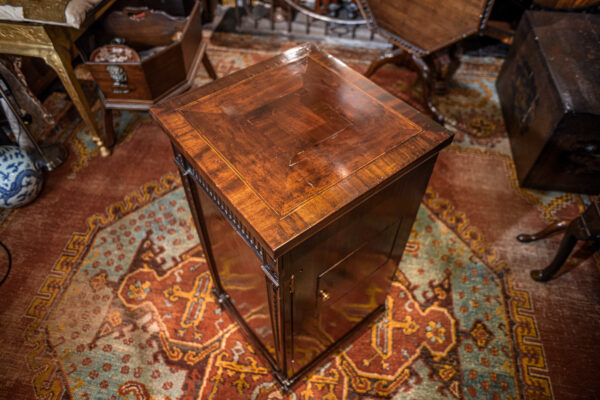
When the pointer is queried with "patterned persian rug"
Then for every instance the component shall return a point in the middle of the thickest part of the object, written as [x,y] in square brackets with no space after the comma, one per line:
[109,297]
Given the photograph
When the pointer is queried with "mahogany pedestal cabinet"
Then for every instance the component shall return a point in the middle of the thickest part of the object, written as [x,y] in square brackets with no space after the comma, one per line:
[304,179]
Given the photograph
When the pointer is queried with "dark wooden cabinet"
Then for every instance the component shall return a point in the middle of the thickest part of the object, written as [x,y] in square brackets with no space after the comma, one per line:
[549,89]
[304,179]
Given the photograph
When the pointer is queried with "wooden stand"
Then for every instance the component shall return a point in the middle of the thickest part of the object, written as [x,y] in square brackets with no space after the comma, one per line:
[141,105]
[141,83]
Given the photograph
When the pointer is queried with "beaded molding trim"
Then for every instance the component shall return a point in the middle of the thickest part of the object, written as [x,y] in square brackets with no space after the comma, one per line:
[227,213]
[250,240]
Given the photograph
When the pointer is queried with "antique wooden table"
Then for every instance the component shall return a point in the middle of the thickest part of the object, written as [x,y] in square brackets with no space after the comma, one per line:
[304,179]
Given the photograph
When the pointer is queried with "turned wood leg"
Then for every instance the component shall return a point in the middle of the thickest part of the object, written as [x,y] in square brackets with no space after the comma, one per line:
[109,129]
[566,246]
[428,78]
[445,63]
[584,227]
[435,71]
[60,61]
[555,227]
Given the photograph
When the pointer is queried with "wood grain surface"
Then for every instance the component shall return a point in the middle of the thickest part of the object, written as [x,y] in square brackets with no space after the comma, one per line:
[426,25]
[295,140]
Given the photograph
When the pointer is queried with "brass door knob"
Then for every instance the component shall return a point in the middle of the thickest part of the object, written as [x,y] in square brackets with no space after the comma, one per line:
[324,294]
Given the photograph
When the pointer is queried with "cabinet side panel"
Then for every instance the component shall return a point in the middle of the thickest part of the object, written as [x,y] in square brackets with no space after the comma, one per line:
[570,160]
[344,272]
[530,104]
[410,205]
[239,271]
[165,70]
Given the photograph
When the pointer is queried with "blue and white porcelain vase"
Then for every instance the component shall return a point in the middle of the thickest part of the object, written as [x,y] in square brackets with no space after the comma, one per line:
[20,177]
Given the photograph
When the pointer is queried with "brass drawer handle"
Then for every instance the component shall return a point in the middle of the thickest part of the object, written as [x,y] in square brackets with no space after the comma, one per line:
[324,295]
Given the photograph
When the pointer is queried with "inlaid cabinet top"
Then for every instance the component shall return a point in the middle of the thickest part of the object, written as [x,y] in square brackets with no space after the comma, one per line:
[295,140]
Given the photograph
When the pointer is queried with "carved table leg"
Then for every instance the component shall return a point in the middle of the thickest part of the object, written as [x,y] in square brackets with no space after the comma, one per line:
[435,71]
[427,74]
[444,64]
[555,227]
[428,78]
[396,55]
[584,227]
[60,61]
[566,246]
